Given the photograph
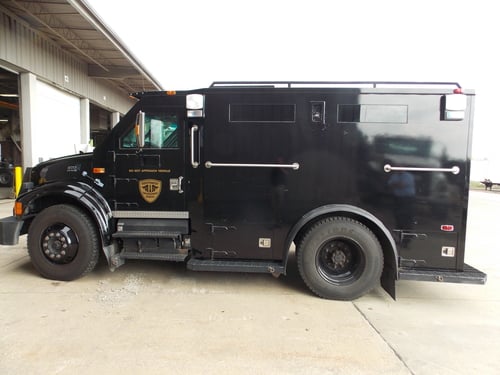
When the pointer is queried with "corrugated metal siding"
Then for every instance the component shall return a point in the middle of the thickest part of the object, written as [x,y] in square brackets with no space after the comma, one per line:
[24,48]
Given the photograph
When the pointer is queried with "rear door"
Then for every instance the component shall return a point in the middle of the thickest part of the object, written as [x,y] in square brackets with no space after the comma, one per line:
[418,171]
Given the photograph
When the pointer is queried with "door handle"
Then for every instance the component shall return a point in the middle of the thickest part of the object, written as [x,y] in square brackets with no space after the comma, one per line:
[389,168]
[294,166]
[194,131]
[180,184]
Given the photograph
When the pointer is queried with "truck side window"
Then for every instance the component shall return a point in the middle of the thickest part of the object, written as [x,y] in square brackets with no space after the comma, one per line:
[161,131]
[374,113]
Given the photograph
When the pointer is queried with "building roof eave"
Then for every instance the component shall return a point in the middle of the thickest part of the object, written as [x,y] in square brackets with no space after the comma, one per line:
[86,11]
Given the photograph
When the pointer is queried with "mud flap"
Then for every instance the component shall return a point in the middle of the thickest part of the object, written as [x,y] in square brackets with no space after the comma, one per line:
[388,280]
[10,228]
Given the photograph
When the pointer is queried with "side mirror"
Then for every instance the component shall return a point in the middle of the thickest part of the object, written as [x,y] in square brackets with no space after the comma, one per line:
[139,129]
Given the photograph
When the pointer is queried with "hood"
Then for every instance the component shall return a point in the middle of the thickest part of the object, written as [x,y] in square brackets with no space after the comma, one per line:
[64,168]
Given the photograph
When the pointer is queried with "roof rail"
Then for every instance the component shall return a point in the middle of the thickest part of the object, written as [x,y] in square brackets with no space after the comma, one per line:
[290,84]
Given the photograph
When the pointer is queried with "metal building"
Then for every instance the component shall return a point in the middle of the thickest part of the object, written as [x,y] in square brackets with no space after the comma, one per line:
[65,79]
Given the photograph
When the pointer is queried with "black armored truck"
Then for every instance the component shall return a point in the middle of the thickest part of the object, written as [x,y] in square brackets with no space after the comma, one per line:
[368,180]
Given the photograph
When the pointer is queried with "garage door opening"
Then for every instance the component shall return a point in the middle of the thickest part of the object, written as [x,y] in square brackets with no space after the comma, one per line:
[10,131]
[101,123]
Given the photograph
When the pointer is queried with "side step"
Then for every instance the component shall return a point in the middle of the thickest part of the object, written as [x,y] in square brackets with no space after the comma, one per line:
[235,266]
[154,256]
[146,234]
[469,275]
[151,228]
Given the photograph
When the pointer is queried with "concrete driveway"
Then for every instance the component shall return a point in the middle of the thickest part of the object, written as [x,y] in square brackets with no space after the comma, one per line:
[158,318]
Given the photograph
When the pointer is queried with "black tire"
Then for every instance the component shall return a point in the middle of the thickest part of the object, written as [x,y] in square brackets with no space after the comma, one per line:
[340,258]
[63,243]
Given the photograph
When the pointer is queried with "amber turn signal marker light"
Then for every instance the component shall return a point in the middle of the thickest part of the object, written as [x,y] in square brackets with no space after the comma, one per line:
[170,93]
[18,209]
[98,170]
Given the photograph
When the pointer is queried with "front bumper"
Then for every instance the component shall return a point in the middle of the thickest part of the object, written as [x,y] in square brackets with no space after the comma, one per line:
[10,228]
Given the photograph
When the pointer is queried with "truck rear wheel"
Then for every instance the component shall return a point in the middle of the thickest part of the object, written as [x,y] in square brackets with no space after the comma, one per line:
[63,243]
[340,258]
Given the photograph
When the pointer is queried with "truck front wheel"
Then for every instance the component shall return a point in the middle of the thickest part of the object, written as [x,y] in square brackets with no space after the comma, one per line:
[63,243]
[340,258]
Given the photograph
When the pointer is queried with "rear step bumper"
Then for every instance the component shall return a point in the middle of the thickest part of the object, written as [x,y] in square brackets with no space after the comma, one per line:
[469,275]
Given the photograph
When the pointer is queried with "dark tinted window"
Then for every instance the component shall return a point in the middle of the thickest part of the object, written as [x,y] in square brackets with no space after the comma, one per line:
[396,114]
[262,113]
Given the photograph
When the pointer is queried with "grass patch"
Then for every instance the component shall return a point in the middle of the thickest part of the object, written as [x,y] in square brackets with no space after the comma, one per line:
[476,185]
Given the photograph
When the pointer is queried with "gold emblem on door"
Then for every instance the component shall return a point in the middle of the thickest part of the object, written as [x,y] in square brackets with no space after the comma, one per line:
[150,189]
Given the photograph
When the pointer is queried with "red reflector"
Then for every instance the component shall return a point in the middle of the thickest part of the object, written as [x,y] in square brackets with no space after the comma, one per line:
[447,228]
[458,91]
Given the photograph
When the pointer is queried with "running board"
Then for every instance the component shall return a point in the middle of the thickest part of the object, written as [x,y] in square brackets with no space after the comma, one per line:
[469,275]
[235,266]
[154,256]
[146,234]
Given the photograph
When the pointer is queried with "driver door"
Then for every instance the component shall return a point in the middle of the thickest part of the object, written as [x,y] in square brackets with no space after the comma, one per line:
[150,178]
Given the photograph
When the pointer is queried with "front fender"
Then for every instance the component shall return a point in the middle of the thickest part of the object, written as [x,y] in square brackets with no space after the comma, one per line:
[70,192]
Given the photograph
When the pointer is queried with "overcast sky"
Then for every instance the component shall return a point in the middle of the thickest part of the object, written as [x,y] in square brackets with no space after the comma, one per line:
[189,44]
